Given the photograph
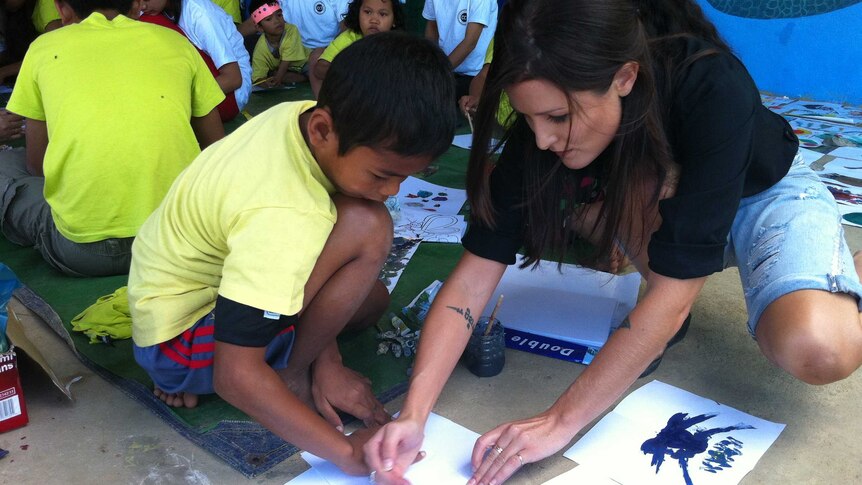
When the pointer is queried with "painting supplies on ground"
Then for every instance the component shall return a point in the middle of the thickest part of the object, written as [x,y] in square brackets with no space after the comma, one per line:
[661,434]
[448,447]
[399,338]
[566,314]
[13,410]
[493,318]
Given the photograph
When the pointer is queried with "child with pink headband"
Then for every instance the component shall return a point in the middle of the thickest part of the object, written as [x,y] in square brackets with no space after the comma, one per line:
[278,56]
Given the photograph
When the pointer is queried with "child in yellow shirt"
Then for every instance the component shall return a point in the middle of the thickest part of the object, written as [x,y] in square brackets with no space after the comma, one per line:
[364,17]
[271,242]
[279,56]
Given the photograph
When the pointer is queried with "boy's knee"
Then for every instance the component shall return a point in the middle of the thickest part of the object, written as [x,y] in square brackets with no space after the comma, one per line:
[366,222]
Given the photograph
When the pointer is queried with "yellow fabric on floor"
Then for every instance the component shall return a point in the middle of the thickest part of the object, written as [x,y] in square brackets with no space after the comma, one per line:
[108,317]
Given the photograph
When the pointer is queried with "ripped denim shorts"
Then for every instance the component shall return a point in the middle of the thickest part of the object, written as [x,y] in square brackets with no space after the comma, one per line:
[789,238]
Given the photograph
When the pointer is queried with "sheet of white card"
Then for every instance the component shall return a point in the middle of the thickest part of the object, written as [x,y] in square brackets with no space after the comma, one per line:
[409,199]
[448,446]
[578,305]
[308,477]
[582,474]
[614,444]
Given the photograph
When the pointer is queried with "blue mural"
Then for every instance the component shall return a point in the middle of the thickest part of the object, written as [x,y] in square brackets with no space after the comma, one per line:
[796,48]
[778,9]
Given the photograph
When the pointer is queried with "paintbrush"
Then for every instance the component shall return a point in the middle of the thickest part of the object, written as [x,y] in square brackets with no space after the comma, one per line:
[469,120]
[493,316]
[262,81]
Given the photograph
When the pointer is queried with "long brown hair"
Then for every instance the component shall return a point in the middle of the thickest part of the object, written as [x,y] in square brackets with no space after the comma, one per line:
[577,45]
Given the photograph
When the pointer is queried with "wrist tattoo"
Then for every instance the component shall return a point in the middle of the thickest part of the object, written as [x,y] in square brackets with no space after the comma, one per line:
[625,323]
[466,314]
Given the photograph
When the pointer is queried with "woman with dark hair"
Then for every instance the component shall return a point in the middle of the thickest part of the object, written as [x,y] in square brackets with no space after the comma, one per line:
[638,130]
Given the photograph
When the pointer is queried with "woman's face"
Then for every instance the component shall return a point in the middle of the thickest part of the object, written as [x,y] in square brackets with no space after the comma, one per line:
[577,137]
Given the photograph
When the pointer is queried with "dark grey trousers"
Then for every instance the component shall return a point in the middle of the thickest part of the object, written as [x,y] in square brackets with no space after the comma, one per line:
[25,219]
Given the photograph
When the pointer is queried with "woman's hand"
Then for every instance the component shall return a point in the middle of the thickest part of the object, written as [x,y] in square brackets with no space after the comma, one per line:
[502,451]
[393,449]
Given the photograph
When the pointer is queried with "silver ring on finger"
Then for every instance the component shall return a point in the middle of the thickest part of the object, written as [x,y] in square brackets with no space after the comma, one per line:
[520,458]
[372,478]
[498,450]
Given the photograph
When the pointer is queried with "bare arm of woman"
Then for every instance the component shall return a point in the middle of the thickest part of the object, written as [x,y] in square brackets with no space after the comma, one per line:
[466,46]
[444,336]
[641,338]
[229,77]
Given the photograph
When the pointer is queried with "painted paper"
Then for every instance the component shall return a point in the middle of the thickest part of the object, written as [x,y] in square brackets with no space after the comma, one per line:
[664,435]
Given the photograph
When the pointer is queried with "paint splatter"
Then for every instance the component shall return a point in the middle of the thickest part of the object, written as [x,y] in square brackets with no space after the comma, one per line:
[424,193]
[440,198]
[721,455]
[677,442]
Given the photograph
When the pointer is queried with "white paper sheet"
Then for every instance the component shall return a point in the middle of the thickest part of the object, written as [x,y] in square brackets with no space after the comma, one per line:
[582,475]
[578,305]
[853,153]
[708,435]
[466,142]
[308,477]
[448,446]
[399,255]
[430,212]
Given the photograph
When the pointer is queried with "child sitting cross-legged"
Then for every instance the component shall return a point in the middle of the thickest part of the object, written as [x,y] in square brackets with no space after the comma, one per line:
[279,56]
[115,110]
[270,244]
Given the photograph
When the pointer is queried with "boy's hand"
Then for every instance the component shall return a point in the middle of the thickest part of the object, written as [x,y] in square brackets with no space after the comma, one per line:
[334,386]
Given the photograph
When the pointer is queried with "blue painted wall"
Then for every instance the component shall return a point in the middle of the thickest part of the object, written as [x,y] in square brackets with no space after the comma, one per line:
[816,56]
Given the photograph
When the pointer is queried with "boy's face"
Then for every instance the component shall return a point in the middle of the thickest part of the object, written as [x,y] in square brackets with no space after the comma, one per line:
[272,25]
[371,173]
[153,7]
[375,16]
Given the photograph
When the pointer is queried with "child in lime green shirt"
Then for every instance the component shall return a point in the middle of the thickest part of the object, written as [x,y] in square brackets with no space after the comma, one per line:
[364,17]
[279,56]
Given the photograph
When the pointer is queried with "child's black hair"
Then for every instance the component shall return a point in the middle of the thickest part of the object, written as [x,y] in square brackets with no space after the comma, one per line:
[351,18]
[391,91]
[83,8]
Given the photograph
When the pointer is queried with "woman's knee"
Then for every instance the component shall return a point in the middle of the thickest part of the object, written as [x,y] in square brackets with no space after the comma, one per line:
[816,351]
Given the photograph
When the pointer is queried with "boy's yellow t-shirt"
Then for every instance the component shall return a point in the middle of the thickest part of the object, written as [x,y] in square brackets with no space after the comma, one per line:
[44,13]
[232,9]
[340,43]
[117,97]
[504,109]
[246,220]
[290,49]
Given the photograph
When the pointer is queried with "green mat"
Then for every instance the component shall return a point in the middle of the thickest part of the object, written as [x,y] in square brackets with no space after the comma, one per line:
[214,424]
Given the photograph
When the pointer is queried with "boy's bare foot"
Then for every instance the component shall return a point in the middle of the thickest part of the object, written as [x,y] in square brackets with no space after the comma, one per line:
[177,400]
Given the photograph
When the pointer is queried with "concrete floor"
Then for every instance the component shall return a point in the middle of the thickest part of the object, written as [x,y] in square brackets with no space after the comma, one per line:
[105,436]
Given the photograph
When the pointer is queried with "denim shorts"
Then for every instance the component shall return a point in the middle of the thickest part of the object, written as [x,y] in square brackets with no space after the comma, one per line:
[789,238]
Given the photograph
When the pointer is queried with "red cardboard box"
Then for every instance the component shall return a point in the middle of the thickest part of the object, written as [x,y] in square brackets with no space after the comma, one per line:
[13,411]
